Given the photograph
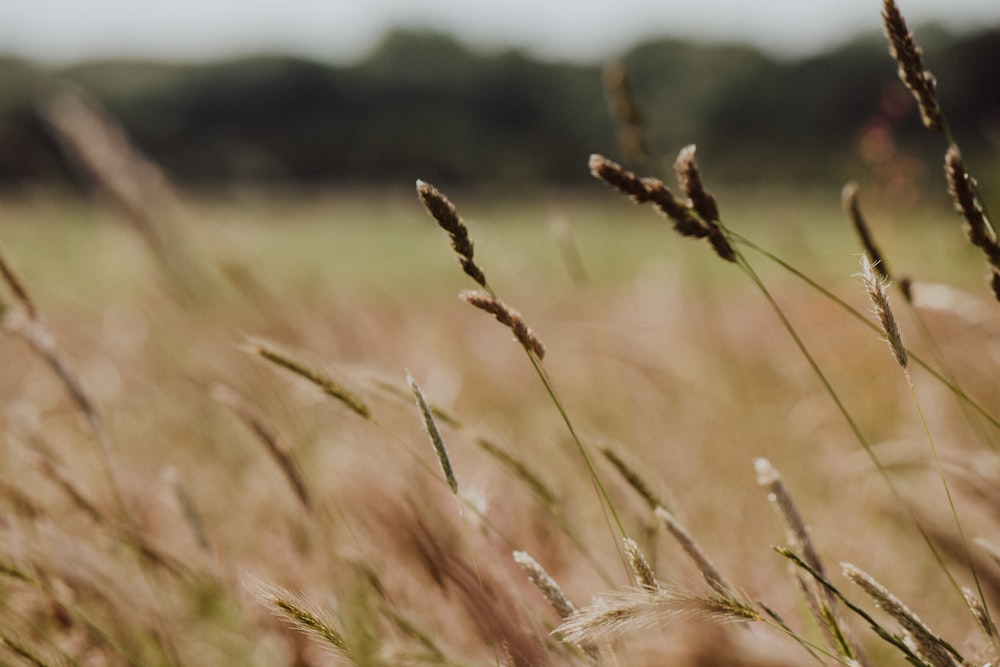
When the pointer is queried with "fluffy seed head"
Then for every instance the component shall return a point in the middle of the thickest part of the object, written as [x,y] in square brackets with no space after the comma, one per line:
[641,569]
[880,302]
[303,615]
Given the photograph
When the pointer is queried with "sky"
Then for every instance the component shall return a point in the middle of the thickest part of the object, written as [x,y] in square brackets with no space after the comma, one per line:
[63,31]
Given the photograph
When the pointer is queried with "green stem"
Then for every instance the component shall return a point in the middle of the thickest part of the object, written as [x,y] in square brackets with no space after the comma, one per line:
[917,359]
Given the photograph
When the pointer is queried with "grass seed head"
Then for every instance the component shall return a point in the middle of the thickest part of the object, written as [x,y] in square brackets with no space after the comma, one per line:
[852,209]
[303,615]
[909,58]
[932,648]
[880,302]
[508,317]
[962,188]
[444,212]
[435,435]
[641,569]
[687,220]
[545,584]
[327,384]
[689,178]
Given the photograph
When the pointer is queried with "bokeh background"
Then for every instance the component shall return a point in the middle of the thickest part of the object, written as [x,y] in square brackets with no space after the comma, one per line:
[325,93]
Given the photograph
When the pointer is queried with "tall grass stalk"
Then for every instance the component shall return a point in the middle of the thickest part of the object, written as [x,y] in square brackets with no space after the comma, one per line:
[443,211]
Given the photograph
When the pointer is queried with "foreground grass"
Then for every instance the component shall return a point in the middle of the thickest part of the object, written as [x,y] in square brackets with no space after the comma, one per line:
[661,354]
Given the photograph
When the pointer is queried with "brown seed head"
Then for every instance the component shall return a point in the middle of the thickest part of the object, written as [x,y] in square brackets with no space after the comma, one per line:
[690,181]
[508,317]
[962,188]
[620,178]
[443,211]
[909,58]
[852,208]
[642,190]
[703,203]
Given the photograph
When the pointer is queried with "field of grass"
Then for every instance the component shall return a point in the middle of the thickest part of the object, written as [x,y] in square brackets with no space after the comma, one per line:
[660,352]
[262,429]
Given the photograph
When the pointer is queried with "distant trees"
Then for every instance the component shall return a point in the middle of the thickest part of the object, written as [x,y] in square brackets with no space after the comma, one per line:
[422,104]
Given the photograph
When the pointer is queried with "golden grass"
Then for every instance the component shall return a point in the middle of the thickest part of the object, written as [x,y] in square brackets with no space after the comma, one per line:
[686,373]
[635,393]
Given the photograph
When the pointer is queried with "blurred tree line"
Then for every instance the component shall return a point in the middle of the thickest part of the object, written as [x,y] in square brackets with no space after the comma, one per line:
[425,105]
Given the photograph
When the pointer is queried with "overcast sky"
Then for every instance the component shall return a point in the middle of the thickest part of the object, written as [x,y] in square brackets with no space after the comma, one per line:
[340,30]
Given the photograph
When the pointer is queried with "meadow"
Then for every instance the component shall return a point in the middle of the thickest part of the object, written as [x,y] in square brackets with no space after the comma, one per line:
[216,433]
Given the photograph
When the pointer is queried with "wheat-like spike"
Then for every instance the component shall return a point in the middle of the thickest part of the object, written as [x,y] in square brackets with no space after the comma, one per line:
[694,551]
[719,607]
[642,190]
[442,210]
[633,479]
[932,648]
[962,188]
[435,435]
[685,219]
[690,181]
[508,317]
[545,584]
[822,603]
[702,202]
[622,611]
[641,570]
[909,58]
[777,493]
[326,383]
[280,451]
[303,615]
[852,208]
[880,302]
